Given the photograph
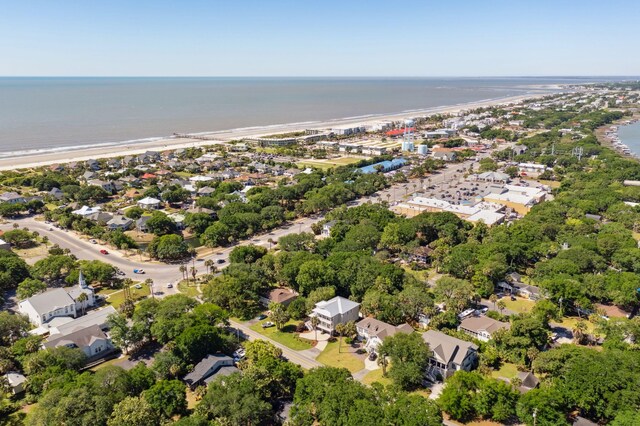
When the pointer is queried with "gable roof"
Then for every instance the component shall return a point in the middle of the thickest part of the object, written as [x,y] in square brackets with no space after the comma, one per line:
[381,329]
[208,367]
[80,338]
[50,300]
[447,348]
[483,323]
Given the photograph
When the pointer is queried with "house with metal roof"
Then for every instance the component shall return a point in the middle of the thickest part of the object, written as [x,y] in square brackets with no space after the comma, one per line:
[336,311]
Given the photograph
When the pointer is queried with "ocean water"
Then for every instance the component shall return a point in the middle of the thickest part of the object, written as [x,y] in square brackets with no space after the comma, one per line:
[630,136]
[50,114]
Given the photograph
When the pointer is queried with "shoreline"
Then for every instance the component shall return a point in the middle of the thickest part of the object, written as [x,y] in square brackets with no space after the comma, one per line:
[608,136]
[118,149]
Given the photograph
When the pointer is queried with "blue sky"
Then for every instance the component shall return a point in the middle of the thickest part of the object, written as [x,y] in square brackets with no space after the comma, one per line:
[319,38]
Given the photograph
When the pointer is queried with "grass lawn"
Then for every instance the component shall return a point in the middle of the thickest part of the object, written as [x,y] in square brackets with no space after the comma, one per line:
[345,359]
[287,336]
[115,299]
[105,364]
[507,370]
[570,322]
[376,376]
[422,275]
[189,290]
[183,174]
[38,251]
[519,305]
[191,399]
[140,237]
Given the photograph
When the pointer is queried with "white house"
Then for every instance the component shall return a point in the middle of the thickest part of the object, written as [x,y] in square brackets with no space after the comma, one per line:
[92,340]
[336,311]
[57,302]
[149,203]
[326,229]
[87,211]
[4,245]
[45,306]
[482,327]
[448,354]
[373,332]
[16,382]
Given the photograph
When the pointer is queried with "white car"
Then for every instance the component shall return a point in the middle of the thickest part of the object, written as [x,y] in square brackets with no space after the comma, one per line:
[169,285]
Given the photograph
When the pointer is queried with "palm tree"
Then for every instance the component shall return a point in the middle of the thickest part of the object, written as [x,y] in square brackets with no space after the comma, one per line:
[149,282]
[350,329]
[82,299]
[493,299]
[208,264]
[383,362]
[388,198]
[45,241]
[194,272]
[183,270]
[579,331]
[314,324]
[501,305]
[340,330]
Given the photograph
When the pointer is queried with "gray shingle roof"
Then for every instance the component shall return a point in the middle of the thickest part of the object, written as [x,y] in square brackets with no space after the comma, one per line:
[80,338]
[447,348]
[50,300]
[207,368]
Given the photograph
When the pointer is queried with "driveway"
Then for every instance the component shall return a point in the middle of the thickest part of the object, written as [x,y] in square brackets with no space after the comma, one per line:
[296,357]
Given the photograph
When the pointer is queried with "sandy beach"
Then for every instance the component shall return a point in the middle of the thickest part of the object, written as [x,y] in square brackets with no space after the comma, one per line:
[71,155]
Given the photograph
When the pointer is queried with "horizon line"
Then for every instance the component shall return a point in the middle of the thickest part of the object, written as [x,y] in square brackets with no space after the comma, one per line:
[323,76]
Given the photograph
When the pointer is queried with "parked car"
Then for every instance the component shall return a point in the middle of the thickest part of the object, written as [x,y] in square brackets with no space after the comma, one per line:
[261,317]
[220,261]
[138,286]
[268,324]
[169,285]
[103,251]
[239,354]
[92,241]
[138,271]
[372,356]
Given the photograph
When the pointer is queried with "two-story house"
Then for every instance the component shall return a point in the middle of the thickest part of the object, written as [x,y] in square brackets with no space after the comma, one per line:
[448,355]
[482,327]
[336,311]
[374,331]
[92,340]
